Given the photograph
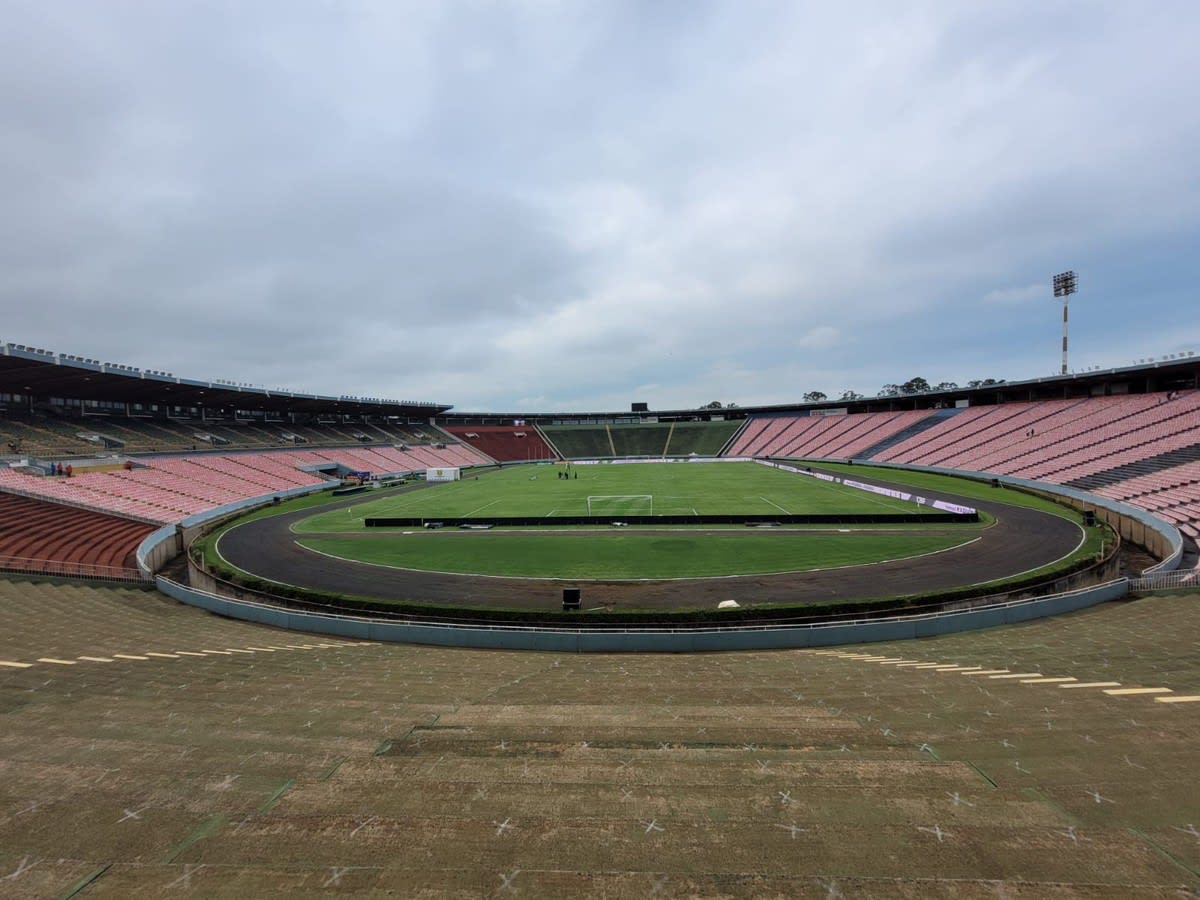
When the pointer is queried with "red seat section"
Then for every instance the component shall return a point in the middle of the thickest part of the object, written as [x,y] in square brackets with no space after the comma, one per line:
[504,443]
[39,536]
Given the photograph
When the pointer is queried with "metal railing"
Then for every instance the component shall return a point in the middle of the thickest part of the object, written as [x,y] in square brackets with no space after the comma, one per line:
[1166,581]
[61,569]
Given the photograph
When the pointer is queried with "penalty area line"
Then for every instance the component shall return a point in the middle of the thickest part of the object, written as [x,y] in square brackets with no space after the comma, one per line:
[776,505]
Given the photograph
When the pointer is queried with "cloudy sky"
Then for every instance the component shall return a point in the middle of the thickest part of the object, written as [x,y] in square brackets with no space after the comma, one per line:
[548,205]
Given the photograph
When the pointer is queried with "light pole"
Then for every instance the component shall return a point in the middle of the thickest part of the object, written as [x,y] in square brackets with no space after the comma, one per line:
[1064,286]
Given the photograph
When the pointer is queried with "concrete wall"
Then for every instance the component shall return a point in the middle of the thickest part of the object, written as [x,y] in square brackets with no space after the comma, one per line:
[599,640]
[157,549]
[160,547]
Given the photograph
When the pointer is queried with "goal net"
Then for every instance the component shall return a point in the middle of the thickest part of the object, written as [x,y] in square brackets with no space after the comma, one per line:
[621,505]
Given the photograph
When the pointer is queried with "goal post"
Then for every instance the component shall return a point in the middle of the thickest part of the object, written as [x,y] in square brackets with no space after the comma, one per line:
[620,505]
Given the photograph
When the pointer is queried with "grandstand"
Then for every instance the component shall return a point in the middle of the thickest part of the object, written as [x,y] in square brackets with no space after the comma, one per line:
[48,538]
[176,448]
[624,440]
[506,443]
[153,749]
[1084,442]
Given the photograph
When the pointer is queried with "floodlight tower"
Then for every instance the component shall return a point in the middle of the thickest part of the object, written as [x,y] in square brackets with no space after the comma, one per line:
[1064,286]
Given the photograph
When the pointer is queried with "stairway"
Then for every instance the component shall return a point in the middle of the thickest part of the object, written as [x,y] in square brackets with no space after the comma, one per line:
[939,415]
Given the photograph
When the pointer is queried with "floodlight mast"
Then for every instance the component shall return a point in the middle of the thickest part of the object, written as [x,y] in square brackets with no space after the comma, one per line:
[1064,286]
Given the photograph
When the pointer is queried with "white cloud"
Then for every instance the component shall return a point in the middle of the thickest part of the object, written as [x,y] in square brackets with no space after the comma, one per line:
[1017,295]
[560,205]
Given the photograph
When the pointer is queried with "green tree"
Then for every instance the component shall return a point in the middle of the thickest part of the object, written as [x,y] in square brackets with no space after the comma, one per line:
[814,397]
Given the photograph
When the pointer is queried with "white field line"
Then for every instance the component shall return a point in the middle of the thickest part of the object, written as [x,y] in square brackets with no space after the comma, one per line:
[480,508]
[776,505]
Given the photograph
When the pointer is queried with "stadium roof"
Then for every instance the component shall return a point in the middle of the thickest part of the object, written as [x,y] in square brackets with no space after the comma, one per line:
[43,373]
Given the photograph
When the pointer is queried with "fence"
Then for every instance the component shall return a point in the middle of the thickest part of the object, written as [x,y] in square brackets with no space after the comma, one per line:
[60,569]
[1166,581]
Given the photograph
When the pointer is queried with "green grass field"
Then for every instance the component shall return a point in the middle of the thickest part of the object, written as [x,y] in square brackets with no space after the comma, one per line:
[659,552]
[632,554]
[684,489]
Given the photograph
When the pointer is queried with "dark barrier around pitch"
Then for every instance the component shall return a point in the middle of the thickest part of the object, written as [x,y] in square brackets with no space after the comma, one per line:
[602,521]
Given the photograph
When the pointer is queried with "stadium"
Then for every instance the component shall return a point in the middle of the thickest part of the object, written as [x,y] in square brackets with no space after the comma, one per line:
[964,624]
[619,603]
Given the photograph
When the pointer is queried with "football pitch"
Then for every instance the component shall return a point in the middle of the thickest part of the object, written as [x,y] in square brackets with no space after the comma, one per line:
[647,552]
[691,489]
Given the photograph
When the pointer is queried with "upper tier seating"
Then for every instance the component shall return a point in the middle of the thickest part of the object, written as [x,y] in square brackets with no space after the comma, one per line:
[60,435]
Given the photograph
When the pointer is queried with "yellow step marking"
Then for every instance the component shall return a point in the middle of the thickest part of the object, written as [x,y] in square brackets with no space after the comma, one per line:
[274,647]
[987,672]
[96,659]
[931,665]
[233,650]
[210,652]
[262,649]
[875,658]
[163,655]
[129,656]
[960,668]
[57,662]
[12,664]
[1091,684]
[900,662]
[300,647]
[188,653]
[913,665]
[1122,692]
[1018,675]
[1182,698]
[1047,680]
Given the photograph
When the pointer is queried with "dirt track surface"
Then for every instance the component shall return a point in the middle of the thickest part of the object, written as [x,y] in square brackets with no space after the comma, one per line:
[1022,539]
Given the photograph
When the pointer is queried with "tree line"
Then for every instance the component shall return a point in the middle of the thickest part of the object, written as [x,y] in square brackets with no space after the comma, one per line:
[913,386]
